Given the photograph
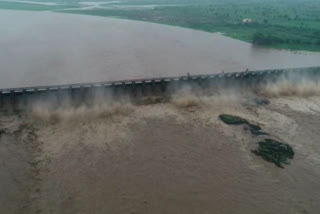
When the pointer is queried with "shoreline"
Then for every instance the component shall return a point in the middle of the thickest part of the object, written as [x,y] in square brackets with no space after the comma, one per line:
[227,33]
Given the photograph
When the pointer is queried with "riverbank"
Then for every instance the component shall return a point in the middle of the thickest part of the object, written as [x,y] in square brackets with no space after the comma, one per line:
[291,25]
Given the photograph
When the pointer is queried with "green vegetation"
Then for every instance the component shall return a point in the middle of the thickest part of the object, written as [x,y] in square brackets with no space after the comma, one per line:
[232,120]
[280,24]
[291,24]
[235,120]
[256,130]
[29,6]
[269,149]
[275,152]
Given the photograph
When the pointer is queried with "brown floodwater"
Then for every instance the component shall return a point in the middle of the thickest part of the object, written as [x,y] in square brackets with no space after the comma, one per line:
[41,48]
[174,157]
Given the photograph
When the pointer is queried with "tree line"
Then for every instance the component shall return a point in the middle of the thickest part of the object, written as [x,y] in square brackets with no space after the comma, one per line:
[260,38]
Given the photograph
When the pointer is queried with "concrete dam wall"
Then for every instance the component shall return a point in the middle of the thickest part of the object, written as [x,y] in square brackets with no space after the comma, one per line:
[91,93]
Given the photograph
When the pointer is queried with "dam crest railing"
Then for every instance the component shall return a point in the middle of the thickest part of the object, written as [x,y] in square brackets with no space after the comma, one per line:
[21,97]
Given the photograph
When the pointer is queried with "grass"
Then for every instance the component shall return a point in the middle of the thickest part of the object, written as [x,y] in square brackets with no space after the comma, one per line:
[297,25]
[29,6]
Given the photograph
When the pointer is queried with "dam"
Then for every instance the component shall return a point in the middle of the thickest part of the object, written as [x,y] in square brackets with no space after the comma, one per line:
[86,93]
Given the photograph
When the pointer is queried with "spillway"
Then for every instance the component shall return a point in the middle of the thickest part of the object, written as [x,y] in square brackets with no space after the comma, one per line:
[88,93]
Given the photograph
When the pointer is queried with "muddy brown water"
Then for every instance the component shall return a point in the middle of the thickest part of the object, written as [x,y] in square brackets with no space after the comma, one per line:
[175,157]
[41,48]
[164,158]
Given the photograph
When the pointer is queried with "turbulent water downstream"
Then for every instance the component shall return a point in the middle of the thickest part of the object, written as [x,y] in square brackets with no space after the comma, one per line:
[173,157]
[40,48]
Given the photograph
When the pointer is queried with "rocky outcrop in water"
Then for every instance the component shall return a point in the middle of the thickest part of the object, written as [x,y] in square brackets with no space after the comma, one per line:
[269,149]
[275,152]
[235,120]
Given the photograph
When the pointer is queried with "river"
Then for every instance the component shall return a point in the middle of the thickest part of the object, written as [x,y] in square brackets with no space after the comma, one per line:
[42,48]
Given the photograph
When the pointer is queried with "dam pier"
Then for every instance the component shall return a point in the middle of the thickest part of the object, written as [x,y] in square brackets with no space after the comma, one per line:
[89,93]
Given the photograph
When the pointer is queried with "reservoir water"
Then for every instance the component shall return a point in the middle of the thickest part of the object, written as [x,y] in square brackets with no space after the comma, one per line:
[44,48]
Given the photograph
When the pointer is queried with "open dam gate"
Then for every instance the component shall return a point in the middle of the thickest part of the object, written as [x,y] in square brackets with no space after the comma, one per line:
[91,93]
